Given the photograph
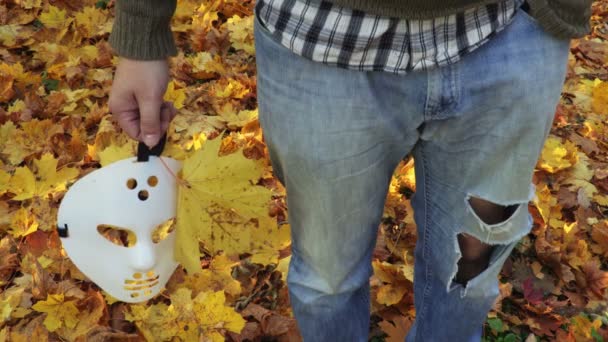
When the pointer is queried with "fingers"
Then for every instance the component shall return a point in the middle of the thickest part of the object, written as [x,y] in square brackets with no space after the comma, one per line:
[150,125]
[136,98]
[167,113]
[129,121]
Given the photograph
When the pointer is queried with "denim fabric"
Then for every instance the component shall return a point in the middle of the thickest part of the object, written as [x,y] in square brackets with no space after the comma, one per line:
[335,136]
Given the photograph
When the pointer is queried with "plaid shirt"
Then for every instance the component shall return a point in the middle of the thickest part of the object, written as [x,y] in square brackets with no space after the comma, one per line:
[352,39]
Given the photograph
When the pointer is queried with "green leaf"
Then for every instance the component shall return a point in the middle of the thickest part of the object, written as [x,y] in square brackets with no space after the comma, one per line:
[37,24]
[511,337]
[495,324]
[103,4]
[50,84]
[596,336]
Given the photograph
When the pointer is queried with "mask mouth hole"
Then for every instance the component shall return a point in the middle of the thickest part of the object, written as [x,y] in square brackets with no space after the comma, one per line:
[136,285]
[143,195]
[117,235]
[131,282]
[140,287]
[163,230]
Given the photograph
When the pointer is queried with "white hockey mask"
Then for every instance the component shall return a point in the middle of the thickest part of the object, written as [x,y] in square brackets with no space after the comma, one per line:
[127,195]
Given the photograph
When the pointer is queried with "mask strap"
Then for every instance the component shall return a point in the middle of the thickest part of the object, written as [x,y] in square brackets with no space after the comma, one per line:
[144,153]
[62,231]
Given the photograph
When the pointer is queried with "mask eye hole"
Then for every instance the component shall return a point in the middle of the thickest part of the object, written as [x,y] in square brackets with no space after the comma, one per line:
[131,183]
[117,235]
[163,230]
[152,181]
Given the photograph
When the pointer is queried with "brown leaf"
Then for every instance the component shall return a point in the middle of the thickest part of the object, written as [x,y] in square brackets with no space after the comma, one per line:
[397,328]
[271,324]
[596,280]
[9,261]
[587,145]
[576,299]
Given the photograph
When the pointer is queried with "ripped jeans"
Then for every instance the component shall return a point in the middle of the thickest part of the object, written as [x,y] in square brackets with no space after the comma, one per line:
[335,136]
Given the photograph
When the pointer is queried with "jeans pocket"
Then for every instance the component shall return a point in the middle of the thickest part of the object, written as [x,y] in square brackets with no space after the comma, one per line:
[259,22]
[526,15]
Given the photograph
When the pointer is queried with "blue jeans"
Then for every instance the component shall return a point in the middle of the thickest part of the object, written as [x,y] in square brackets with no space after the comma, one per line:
[335,136]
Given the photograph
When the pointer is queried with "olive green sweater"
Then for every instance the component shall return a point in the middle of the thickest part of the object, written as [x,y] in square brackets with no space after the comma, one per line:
[142,27]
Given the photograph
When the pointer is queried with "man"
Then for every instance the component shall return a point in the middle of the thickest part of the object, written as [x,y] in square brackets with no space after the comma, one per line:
[346,89]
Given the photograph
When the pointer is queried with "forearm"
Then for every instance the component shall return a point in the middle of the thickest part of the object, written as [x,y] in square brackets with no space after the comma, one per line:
[142,29]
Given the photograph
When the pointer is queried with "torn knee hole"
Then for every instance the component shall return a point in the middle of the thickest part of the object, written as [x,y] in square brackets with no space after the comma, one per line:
[468,270]
[475,258]
[491,213]
[490,226]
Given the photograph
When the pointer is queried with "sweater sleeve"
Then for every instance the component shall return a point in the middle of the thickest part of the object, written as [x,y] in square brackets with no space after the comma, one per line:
[142,29]
[563,18]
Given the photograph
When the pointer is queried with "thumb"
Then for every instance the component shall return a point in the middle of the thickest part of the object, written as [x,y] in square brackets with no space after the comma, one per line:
[150,122]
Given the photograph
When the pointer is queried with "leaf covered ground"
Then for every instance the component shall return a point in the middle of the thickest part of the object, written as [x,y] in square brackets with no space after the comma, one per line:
[56,70]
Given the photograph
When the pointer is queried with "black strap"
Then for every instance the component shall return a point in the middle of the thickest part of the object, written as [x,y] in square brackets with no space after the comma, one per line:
[526,7]
[144,153]
[63,231]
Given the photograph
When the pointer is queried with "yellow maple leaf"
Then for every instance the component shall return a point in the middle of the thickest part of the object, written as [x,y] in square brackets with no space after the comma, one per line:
[556,155]
[578,253]
[86,54]
[156,322]
[11,301]
[547,205]
[202,62]
[580,178]
[92,22]
[186,318]
[22,77]
[17,106]
[205,15]
[7,91]
[217,200]
[283,266]
[234,118]
[217,277]
[87,319]
[267,251]
[188,124]
[9,34]
[29,4]
[241,33]
[212,311]
[5,220]
[599,103]
[395,277]
[55,18]
[114,153]
[582,327]
[45,212]
[6,132]
[59,312]
[185,9]
[51,53]
[48,179]
[233,89]
[31,138]
[4,178]
[177,96]
[23,223]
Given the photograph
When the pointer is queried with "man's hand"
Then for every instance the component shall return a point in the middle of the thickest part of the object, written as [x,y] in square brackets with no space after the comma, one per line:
[136,99]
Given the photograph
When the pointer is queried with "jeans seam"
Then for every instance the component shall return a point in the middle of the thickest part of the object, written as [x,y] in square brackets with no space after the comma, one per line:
[425,250]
